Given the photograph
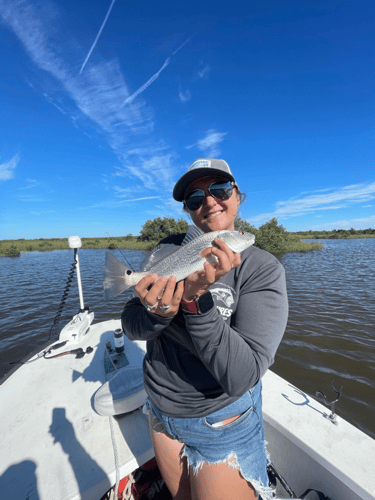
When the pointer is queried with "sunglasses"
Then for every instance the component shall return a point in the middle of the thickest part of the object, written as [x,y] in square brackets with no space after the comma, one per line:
[221,190]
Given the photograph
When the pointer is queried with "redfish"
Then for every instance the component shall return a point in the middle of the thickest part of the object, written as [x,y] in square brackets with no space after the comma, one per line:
[172,260]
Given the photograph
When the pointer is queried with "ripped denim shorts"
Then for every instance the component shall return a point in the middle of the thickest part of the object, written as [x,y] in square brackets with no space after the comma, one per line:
[239,443]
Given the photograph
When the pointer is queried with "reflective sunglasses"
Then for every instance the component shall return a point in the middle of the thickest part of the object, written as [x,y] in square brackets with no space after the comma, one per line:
[221,190]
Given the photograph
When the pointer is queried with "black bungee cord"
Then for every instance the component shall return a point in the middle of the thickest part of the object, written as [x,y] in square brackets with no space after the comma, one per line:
[63,298]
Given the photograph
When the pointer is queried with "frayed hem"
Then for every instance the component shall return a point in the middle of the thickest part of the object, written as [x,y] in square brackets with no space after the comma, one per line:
[262,492]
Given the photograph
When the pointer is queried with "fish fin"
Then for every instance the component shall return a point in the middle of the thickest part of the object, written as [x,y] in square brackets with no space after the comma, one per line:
[159,255]
[193,232]
[114,273]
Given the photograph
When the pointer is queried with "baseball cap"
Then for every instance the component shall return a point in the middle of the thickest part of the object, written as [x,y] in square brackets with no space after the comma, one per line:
[203,167]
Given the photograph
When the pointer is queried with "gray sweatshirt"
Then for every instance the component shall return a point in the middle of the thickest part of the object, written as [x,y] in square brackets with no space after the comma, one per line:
[196,364]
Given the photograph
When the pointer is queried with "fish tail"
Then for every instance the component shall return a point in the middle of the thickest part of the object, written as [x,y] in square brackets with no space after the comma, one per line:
[114,276]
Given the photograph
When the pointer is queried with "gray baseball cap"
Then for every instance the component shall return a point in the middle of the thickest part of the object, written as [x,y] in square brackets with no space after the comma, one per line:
[203,167]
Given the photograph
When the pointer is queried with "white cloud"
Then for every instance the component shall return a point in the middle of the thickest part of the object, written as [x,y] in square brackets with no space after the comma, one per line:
[204,72]
[329,200]
[7,169]
[209,144]
[31,198]
[360,223]
[122,192]
[184,96]
[44,213]
[118,203]
[32,183]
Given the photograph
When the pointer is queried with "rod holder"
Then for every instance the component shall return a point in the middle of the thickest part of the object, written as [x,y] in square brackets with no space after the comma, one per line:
[332,417]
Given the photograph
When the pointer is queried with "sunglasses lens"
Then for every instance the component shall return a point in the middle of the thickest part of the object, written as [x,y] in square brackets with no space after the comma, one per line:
[195,199]
[221,190]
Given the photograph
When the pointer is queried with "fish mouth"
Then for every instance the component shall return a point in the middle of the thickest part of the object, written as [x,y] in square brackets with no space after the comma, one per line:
[213,214]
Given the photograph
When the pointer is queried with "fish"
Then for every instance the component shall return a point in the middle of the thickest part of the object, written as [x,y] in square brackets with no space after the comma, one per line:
[172,260]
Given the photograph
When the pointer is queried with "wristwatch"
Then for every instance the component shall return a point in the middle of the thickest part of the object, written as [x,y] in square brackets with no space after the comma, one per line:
[199,305]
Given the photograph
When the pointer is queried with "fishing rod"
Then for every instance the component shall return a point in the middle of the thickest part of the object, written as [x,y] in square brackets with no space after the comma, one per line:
[128,263]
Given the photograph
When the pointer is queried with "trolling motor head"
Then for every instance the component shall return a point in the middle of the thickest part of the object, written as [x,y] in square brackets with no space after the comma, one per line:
[74,242]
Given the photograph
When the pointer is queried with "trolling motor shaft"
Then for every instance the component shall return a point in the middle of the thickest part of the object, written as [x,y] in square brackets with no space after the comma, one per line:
[75,242]
[80,324]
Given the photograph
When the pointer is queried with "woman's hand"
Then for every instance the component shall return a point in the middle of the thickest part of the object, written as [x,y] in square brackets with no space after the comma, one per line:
[161,295]
[198,283]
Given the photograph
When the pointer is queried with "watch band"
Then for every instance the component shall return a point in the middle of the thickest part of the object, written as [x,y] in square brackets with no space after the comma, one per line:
[189,306]
[199,305]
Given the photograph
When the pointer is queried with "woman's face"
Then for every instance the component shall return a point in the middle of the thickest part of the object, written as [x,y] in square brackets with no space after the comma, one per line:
[213,215]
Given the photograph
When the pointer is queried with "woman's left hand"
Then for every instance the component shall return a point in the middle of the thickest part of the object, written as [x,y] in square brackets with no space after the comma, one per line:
[198,283]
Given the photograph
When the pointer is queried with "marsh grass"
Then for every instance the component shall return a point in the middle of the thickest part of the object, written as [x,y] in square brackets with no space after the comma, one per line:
[294,244]
[13,248]
[10,248]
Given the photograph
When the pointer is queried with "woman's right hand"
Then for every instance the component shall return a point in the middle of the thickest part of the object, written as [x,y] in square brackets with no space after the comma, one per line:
[159,293]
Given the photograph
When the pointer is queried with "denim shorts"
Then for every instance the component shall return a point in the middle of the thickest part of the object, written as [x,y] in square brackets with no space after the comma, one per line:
[240,443]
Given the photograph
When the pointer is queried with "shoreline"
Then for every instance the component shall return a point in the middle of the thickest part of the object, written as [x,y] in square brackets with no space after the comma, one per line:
[13,248]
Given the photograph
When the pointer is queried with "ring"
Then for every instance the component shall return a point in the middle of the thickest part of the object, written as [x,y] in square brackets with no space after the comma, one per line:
[165,308]
[148,307]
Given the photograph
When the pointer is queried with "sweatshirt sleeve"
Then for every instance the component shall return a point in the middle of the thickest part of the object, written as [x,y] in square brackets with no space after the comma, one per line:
[139,324]
[239,354]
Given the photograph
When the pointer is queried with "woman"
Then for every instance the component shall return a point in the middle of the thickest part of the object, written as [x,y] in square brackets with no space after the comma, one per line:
[210,339]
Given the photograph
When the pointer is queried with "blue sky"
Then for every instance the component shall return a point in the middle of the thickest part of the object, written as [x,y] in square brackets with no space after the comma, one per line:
[105,104]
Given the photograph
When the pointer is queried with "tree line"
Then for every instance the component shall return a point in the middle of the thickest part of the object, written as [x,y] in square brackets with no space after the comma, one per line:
[337,233]
[269,236]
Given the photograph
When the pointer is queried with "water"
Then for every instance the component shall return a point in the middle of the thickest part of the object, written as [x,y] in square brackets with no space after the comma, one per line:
[330,332]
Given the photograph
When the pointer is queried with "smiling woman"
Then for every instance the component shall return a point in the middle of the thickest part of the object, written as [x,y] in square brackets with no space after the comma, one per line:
[210,339]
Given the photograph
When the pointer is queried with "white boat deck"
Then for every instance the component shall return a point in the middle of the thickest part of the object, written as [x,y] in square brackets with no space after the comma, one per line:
[311,451]
[53,444]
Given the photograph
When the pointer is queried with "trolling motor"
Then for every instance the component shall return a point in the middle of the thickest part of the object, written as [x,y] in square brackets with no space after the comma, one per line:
[80,324]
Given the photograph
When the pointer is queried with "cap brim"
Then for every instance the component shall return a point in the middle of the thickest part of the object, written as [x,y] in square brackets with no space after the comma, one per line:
[193,175]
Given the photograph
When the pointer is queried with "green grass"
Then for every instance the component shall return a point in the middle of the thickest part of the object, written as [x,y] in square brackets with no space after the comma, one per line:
[296,245]
[15,247]
[336,234]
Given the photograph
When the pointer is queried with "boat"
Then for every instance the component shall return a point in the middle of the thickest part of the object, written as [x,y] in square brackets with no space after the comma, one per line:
[59,443]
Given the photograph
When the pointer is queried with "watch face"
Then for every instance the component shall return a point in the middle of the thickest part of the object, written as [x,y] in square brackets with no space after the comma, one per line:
[205,302]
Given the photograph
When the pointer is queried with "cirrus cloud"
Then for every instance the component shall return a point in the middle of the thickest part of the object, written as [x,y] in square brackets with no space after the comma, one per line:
[209,144]
[7,169]
[328,199]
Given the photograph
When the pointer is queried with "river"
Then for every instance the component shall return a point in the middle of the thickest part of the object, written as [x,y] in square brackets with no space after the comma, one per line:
[330,332]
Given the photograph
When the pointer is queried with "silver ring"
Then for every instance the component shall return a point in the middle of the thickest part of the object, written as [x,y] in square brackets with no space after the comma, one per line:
[165,308]
[148,307]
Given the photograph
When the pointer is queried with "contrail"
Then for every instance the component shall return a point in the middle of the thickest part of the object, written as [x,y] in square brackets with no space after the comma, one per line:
[97,37]
[144,87]
[129,99]
[180,47]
